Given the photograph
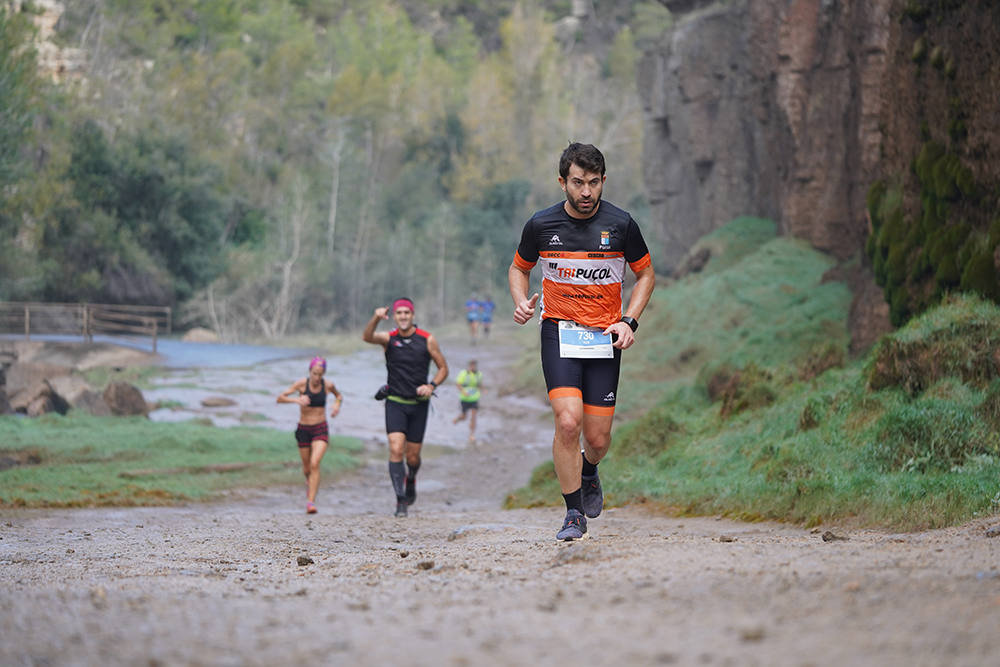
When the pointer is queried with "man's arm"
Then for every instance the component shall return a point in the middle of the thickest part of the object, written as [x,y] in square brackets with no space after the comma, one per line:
[370,335]
[519,280]
[442,367]
[645,280]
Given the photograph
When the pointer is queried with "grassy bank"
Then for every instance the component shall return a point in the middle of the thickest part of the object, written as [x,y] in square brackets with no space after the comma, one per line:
[80,460]
[749,407]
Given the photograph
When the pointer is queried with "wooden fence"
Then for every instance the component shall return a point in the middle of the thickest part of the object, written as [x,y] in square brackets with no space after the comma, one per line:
[84,319]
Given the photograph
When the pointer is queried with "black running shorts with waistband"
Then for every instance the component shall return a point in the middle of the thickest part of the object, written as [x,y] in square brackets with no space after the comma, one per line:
[408,418]
[595,380]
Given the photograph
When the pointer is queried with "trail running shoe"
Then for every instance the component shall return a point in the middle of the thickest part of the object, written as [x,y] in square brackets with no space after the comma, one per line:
[593,495]
[310,508]
[574,527]
[401,508]
[411,490]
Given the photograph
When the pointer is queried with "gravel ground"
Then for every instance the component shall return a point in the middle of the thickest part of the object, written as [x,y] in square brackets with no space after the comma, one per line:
[253,580]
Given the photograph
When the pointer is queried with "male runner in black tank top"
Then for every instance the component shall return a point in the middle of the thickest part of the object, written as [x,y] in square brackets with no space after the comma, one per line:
[583,246]
[409,351]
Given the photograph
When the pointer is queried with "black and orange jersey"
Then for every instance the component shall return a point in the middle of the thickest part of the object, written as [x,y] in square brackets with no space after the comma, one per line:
[583,261]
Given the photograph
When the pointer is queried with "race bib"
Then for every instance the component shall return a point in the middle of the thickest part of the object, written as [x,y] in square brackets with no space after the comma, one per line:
[579,342]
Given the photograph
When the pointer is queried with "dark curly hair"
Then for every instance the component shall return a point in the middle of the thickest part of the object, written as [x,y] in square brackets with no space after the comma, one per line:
[585,156]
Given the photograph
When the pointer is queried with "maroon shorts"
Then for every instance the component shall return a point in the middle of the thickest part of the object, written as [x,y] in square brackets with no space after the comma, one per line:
[306,433]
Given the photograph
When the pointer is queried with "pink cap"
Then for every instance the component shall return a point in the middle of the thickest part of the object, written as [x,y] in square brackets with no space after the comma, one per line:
[317,361]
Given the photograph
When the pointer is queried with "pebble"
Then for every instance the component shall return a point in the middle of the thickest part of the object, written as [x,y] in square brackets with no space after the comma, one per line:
[304,560]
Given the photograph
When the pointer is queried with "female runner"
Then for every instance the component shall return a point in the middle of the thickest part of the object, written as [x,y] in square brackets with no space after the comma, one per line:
[312,433]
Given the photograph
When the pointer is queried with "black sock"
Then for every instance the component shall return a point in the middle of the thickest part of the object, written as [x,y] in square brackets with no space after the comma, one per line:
[413,469]
[397,473]
[574,500]
[589,469]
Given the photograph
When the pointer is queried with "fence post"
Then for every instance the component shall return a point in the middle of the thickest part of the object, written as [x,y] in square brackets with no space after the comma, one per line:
[152,321]
[27,322]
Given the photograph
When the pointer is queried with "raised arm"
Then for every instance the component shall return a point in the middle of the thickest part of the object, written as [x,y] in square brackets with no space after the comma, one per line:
[376,337]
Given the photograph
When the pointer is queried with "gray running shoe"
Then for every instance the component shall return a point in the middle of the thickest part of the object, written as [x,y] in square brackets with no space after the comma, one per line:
[401,507]
[593,495]
[574,527]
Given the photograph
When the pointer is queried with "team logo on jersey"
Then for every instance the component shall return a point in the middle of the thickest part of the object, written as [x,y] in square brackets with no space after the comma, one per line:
[610,397]
[555,240]
[605,238]
[553,266]
[602,273]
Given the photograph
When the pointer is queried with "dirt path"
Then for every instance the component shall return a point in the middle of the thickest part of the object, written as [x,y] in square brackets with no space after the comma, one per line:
[461,582]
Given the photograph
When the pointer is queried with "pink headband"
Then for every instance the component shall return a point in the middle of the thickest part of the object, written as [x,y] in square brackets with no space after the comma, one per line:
[402,302]
[317,361]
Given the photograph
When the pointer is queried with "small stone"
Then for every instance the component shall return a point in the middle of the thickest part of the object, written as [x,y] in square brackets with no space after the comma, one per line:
[752,634]
[994,531]
[726,538]
[828,536]
[425,565]
[404,554]
[304,560]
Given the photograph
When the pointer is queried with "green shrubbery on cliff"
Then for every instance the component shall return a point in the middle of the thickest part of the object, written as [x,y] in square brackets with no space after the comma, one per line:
[919,255]
[786,427]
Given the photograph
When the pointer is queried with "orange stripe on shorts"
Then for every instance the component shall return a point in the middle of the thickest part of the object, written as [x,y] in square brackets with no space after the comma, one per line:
[599,410]
[565,392]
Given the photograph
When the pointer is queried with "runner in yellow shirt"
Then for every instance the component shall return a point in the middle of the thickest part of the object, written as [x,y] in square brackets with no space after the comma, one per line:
[470,386]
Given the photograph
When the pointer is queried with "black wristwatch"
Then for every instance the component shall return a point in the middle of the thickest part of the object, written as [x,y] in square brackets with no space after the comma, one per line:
[433,384]
[632,323]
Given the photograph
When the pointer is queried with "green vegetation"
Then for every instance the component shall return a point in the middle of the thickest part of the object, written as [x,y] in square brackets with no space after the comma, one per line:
[764,417]
[919,257]
[271,167]
[78,460]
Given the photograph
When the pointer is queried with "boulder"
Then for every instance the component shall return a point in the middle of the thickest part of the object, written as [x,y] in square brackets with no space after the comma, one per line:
[24,375]
[39,399]
[217,402]
[93,403]
[79,395]
[125,399]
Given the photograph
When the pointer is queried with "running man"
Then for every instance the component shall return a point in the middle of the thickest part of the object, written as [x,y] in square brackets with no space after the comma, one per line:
[470,386]
[409,351]
[312,433]
[486,314]
[472,312]
[583,245]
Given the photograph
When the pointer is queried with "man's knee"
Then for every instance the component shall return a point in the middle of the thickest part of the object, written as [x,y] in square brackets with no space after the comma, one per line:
[568,423]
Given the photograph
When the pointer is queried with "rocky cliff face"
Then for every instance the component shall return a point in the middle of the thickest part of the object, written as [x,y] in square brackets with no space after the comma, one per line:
[792,109]
[768,108]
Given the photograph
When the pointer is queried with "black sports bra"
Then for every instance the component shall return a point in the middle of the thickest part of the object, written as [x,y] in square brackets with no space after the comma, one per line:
[317,400]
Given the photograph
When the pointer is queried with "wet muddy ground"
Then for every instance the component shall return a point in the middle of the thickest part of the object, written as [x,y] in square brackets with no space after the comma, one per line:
[253,580]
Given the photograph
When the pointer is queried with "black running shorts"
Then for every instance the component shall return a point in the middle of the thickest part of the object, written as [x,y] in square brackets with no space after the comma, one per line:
[407,418]
[594,380]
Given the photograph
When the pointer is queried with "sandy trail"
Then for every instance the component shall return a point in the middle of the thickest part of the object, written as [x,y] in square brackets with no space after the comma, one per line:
[461,582]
